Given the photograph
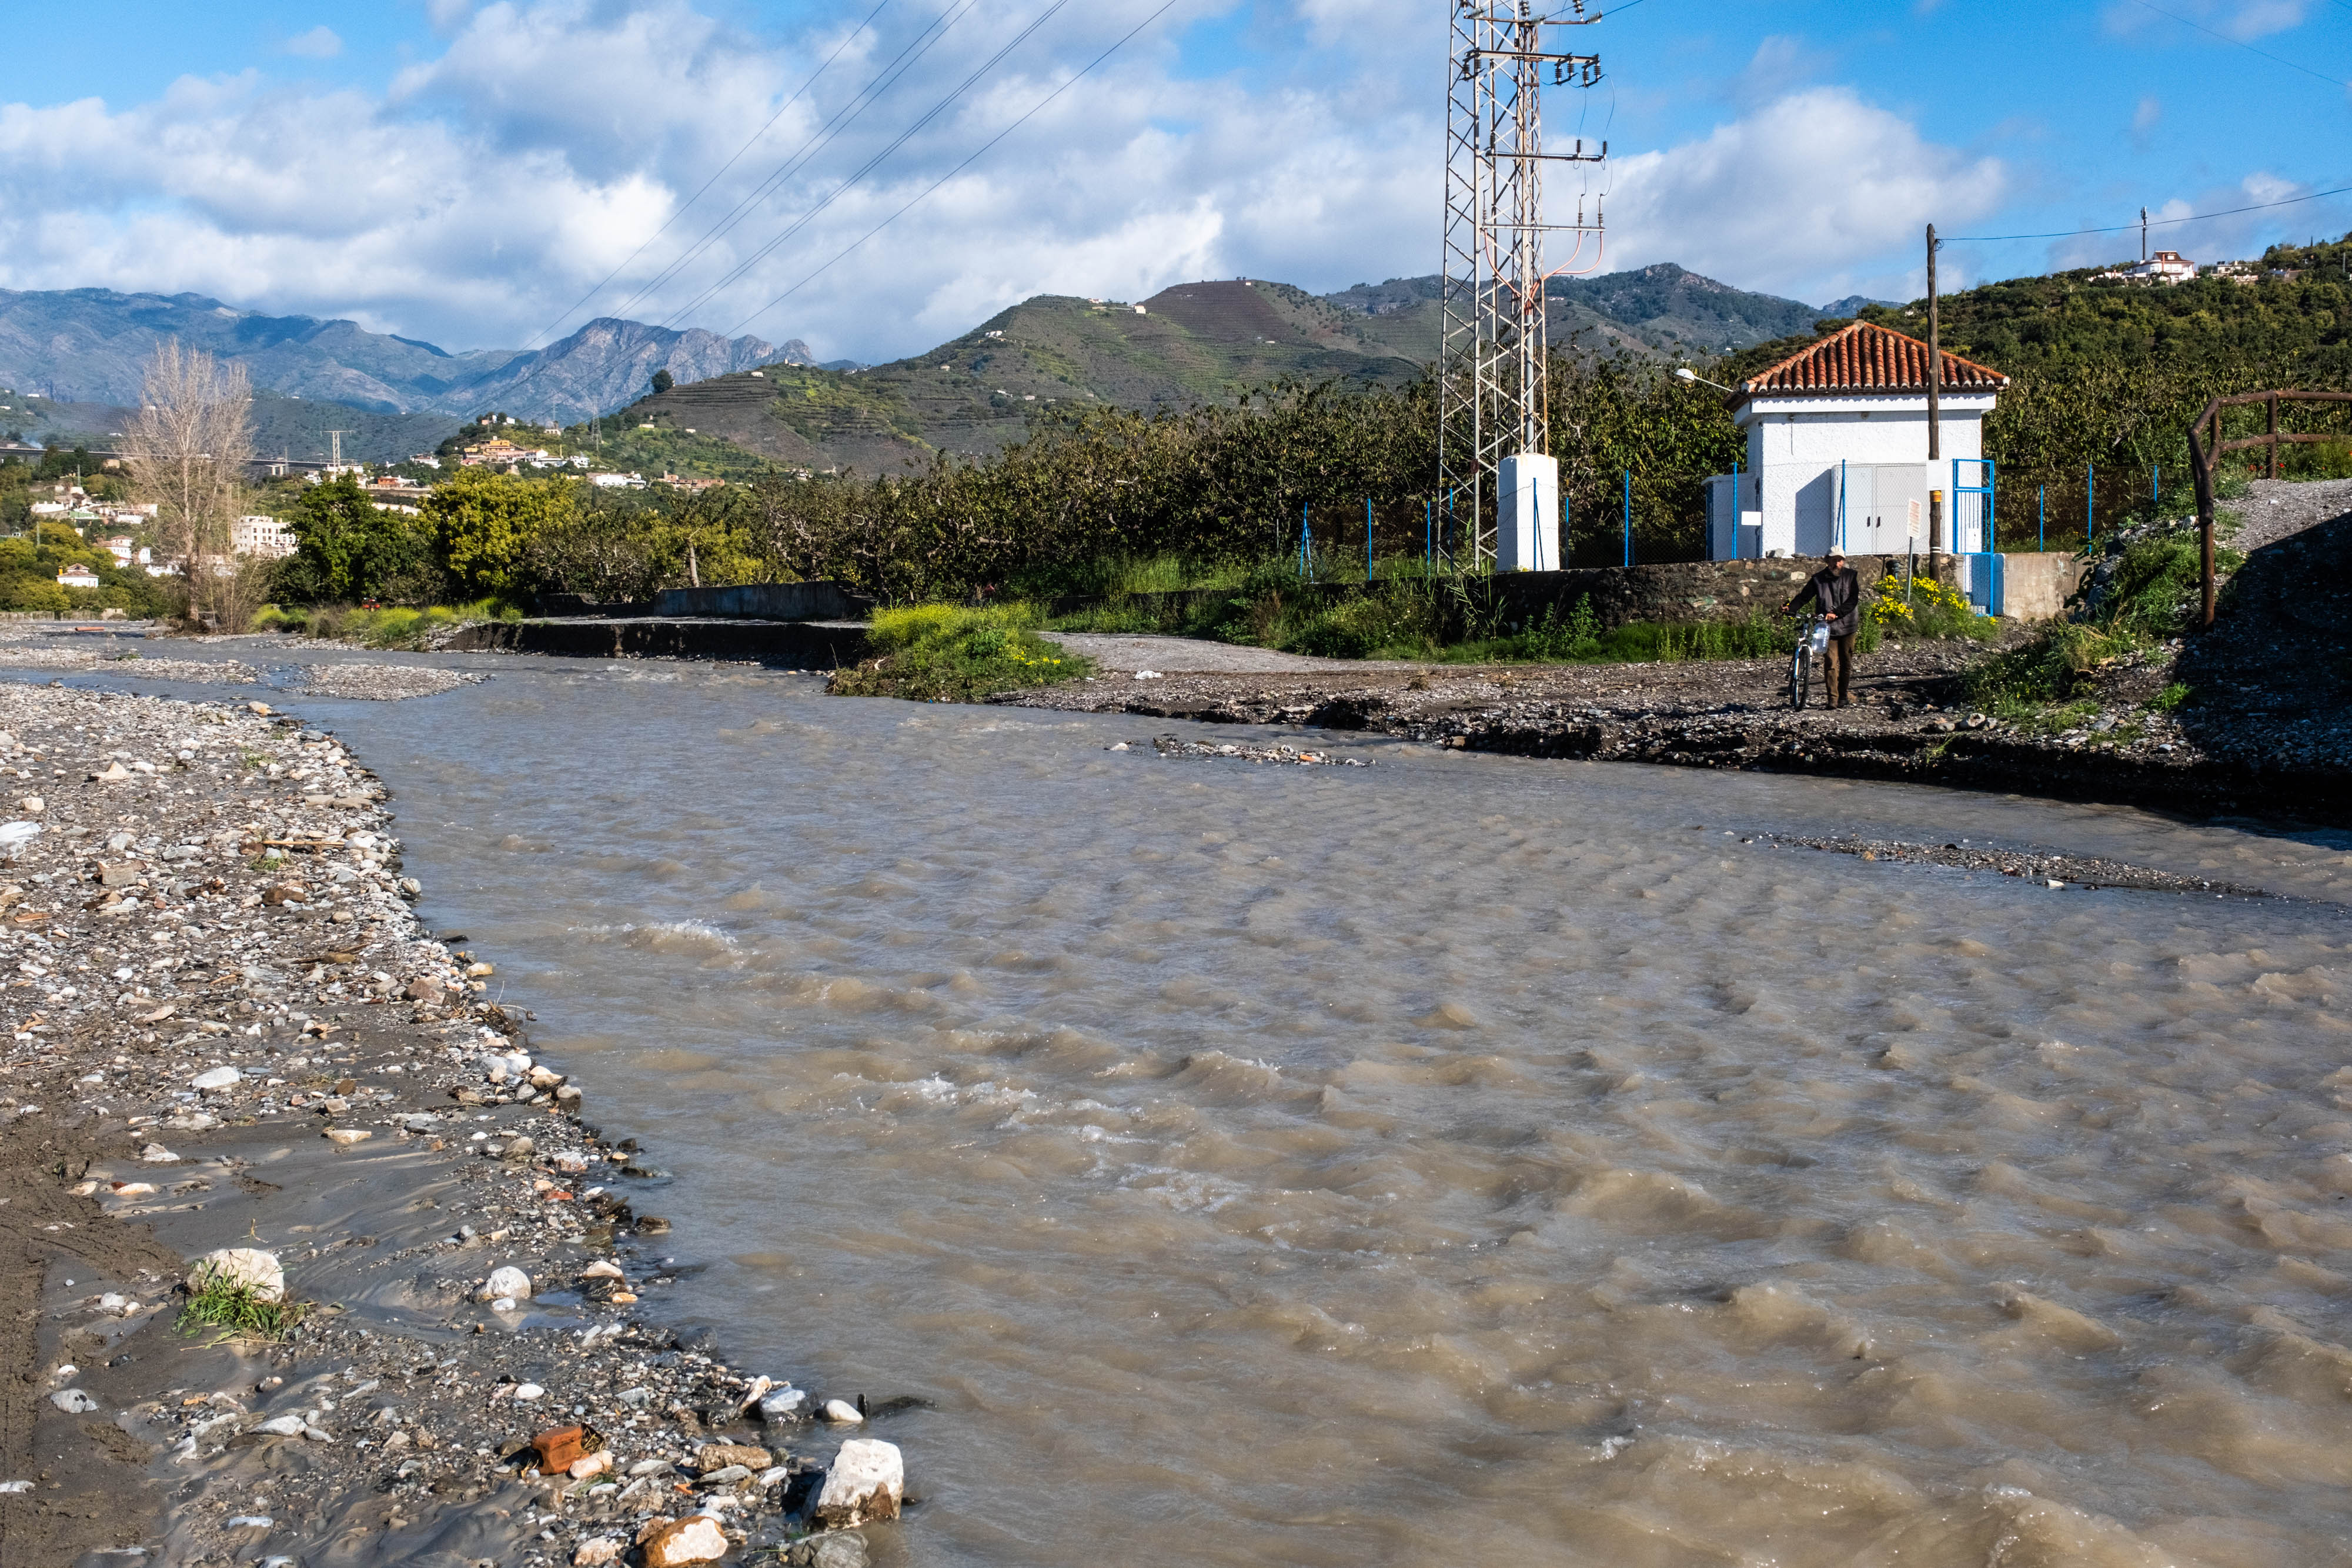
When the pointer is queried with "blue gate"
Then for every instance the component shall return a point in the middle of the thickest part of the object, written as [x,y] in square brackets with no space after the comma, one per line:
[1974,539]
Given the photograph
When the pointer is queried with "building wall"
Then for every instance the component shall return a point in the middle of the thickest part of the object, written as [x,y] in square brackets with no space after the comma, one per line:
[1796,447]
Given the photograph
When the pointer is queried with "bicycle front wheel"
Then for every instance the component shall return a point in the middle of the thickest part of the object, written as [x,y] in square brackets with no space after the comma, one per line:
[1799,672]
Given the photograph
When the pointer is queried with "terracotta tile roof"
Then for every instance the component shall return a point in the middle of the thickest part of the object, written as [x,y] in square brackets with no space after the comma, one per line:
[1866,356]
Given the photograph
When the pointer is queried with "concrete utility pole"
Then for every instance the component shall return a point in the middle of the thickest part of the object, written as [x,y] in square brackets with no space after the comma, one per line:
[2143,234]
[1935,409]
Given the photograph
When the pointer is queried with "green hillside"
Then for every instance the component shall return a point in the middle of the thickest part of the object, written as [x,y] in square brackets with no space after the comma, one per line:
[1191,345]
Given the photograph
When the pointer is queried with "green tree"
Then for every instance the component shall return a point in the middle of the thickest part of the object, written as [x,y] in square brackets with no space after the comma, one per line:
[663,382]
[483,524]
[348,547]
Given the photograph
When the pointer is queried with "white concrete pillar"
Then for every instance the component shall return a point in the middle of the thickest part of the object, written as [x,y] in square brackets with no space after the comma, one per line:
[1527,520]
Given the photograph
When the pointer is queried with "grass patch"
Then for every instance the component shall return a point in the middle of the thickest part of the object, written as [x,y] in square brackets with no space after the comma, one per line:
[2156,585]
[951,652]
[220,1302]
[396,626]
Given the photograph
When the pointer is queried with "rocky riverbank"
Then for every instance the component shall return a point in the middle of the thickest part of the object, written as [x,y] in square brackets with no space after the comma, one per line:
[228,1031]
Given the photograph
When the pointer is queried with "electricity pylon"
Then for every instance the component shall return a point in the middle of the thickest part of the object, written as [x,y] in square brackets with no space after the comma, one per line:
[1491,354]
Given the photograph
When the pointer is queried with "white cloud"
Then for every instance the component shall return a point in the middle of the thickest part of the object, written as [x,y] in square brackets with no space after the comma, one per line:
[1788,199]
[2206,240]
[320,43]
[490,186]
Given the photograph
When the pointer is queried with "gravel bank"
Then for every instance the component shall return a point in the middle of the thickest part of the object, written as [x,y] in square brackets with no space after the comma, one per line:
[226,1030]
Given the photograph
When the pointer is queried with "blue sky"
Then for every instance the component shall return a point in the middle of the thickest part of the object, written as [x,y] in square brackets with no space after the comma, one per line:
[466,172]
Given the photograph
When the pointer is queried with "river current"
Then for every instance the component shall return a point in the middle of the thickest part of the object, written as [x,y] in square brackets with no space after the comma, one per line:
[1461,1159]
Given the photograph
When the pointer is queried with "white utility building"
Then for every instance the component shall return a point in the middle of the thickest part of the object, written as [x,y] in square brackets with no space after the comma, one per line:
[1837,453]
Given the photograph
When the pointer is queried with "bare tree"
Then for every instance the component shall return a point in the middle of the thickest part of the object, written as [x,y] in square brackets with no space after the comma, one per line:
[187,452]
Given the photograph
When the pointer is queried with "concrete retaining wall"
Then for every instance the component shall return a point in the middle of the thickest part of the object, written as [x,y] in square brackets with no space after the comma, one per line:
[789,644]
[821,600]
[766,602]
[1675,592]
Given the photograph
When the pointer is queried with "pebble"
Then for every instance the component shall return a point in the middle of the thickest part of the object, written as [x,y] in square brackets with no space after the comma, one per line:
[597,1551]
[509,1281]
[73,1401]
[842,1411]
[347,1136]
[527,1392]
[216,1078]
[283,1427]
[675,1543]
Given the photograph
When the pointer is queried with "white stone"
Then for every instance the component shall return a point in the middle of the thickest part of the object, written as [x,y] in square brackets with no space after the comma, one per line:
[257,1271]
[507,1280]
[527,1392]
[781,1405]
[697,1538]
[868,1481]
[283,1427]
[842,1410]
[598,1549]
[217,1078]
[73,1401]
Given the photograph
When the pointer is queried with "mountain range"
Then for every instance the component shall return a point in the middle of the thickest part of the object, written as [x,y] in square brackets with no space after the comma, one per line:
[91,345]
[1192,343]
[83,352]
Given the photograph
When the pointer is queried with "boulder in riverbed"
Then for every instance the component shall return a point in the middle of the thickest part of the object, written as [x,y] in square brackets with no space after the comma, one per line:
[249,1267]
[868,1481]
[507,1280]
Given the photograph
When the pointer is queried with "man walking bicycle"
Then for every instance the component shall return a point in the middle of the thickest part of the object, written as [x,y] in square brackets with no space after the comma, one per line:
[1837,590]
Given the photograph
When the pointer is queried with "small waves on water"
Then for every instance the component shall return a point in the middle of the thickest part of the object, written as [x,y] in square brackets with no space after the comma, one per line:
[1457,1159]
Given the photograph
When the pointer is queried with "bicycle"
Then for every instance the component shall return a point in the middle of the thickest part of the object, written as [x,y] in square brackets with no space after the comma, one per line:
[1812,642]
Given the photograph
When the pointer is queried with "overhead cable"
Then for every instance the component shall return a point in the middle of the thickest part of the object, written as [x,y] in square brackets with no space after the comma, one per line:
[683,208]
[2152,223]
[1165,6]
[866,168]
[816,142]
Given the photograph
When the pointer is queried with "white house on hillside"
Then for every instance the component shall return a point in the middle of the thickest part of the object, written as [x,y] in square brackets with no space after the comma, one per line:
[1837,452]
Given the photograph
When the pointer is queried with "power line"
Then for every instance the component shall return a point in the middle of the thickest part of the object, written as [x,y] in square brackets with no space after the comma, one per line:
[2275,59]
[816,141]
[681,212]
[1166,6]
[869,165]
[2152,223]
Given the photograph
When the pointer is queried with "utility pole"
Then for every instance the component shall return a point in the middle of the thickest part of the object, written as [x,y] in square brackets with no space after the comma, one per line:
[1492,410]
[1935,409]
[2143,234]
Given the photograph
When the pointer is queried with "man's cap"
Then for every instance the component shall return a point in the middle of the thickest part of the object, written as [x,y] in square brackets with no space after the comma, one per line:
[1835,554]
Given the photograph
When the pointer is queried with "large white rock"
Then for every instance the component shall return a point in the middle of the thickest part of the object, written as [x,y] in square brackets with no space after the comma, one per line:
[867,1481]
[216,1078]
[507,1280]
[697,1538]
[257,1271]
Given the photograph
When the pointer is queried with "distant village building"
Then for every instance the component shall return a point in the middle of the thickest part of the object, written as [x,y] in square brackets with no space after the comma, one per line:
[618,481]
[675,483]
[265,538]
[1837,451]
[77,576]
[2166,266]
[498,451]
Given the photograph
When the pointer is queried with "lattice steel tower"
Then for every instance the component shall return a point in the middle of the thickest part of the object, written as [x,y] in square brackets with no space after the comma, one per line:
[1491,356]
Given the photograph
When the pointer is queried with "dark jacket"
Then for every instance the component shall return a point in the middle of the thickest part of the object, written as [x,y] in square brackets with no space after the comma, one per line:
[1839,593]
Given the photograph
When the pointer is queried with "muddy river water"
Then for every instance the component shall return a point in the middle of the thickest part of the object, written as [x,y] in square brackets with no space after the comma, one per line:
[1456,1160]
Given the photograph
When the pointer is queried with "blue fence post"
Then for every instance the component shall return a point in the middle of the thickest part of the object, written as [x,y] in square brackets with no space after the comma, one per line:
[1840,539]
[1368,539]
[1306,558]
[1629,516]
[2090,500]
[1734,508]
[2042,519]
[2155,489]
[1428,535]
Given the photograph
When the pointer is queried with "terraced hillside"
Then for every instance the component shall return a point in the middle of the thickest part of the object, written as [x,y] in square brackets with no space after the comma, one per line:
[1664,312]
